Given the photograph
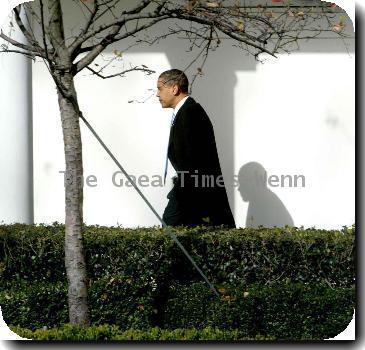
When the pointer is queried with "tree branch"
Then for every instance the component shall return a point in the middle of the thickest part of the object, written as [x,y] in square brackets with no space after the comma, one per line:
[56,32]
[140,7]
[24,53]
[119,23]
[142,69]
[206,49]
[92,16]
[111,38]
[25,47]
[30,38]
[228,31]
[44,31]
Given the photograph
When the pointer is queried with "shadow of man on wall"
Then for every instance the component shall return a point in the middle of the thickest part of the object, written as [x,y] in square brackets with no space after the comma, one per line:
[265,208]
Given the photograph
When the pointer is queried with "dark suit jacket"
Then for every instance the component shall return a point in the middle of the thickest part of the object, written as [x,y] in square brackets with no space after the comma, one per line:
[192,149]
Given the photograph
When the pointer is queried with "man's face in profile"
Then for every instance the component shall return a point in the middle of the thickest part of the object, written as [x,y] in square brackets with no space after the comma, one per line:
[165,94]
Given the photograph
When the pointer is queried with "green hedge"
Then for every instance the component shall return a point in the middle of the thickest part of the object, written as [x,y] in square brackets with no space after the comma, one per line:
[300,282]
[113,333]
[284,311]
[115,301]
[35,306]
[280,310]
[247,256]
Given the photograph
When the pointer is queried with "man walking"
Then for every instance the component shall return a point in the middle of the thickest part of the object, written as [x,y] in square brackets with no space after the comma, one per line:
[198,196]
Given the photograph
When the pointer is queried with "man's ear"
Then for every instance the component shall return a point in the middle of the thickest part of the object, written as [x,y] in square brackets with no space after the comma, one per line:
[175,90]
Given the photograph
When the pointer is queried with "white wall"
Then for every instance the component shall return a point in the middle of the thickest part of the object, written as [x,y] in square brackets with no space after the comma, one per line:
[136,133]
[297,118]
[16,163]
[293,115]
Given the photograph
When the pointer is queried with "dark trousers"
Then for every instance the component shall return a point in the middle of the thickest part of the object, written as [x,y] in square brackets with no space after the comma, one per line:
[173,215]
[194,210]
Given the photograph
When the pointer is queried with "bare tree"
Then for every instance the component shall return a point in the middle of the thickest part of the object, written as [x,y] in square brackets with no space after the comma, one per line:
[255,27]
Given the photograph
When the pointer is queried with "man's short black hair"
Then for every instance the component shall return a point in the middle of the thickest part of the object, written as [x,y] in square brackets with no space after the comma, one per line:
[176,76]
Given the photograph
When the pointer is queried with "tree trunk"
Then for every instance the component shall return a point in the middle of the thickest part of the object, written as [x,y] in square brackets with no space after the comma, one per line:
[74,249]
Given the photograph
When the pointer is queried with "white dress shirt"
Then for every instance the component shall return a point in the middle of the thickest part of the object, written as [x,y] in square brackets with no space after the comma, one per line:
[179,105]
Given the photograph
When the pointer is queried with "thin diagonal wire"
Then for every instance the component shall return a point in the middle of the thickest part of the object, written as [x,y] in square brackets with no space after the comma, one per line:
[168,228]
